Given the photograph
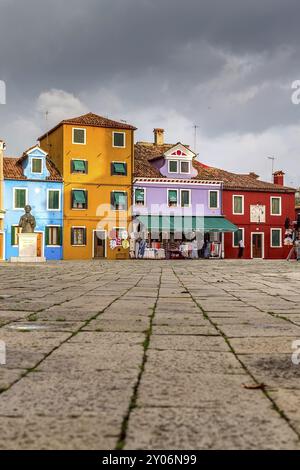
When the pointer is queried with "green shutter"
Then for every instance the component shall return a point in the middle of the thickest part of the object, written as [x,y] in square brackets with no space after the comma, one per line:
[53,199]
[275,206]
[119,199]
[173,166]
[119,168]
[59,236]
[47,236]
[276,242]
[213,199]
[79,136]
[118,139]
[79,196]
[139,195]
[185,198]
[238,205]
[36,165]
[20,198]
[173,195]
[13,234]
[79,165]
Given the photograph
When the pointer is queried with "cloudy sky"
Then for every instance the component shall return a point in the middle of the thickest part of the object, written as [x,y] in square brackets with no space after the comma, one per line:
[226,66]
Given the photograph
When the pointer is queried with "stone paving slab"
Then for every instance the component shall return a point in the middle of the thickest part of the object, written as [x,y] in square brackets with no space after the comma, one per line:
[150,355]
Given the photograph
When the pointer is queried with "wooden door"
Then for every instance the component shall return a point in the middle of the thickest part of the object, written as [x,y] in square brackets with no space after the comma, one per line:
[39,245]
[99,244]
[1,245]
[257,245]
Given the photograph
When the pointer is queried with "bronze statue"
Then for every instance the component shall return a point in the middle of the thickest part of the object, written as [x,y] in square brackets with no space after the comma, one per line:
[27,221]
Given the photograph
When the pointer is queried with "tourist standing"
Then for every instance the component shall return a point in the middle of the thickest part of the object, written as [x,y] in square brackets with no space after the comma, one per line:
[241,248]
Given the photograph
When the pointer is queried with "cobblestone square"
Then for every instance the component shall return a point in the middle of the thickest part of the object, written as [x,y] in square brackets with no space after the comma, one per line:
[150,355]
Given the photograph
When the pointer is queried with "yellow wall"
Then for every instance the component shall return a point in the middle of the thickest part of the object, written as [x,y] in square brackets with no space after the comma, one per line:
[100,153]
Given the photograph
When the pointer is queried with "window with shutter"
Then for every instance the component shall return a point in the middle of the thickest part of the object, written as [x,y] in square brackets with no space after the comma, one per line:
[79,199]
[119,200]
[173,166]
[36,165]
[53,199]
[53,235]
[276,238]
[20,198]
[15,230]
[119,168]
[119,139]
[238,204]
[275,206]
[184,167]
[79,136]
[139,196]
[79,166]
[185,198]
[213,199]
[172,197]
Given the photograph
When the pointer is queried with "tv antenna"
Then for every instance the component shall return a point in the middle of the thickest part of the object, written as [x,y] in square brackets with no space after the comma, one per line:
[195,137]
[273,160]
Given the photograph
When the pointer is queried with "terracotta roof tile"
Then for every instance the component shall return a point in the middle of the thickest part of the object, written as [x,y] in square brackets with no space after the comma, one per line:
[146,152]
[143,154]
[12,169]
[93,120]
[247,182]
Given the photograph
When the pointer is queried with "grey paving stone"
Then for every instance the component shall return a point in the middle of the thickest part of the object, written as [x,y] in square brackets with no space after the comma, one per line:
[102,325]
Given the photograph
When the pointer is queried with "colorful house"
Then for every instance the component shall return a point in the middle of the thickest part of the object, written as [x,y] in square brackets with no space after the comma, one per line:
[173,203]
[262,211]
[33,179]
[2,240]
[95,156]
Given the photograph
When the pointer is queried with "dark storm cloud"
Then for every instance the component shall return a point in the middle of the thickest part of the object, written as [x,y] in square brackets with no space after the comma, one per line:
[226,65]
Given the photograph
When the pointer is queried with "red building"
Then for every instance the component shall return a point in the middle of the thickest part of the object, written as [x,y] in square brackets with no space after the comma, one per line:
[259,209]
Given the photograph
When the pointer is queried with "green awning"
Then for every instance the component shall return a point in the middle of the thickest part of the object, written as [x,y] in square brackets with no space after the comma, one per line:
[119,168]
[79,165]
[218,224]
[172,195]
[139,195]
[79,196]
[120,198]
[186,224]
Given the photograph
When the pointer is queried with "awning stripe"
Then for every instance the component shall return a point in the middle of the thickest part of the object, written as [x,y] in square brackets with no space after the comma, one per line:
[184,224]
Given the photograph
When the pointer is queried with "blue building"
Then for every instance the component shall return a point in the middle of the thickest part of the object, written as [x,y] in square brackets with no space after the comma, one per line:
[33,179]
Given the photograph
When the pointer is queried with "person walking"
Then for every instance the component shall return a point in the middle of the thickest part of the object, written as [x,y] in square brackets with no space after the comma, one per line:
[241,248]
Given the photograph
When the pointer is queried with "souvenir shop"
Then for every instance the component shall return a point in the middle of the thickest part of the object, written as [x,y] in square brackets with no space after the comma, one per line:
[162,237]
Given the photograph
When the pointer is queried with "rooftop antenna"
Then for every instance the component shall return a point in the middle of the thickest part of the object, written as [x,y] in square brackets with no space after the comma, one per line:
[46,119]
[272,159]
[195,137]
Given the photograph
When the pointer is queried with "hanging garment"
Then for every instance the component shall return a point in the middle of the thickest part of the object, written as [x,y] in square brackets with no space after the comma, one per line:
[142,248]
[137,249]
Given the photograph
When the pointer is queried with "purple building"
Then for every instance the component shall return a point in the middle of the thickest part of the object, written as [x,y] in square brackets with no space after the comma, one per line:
[178,213]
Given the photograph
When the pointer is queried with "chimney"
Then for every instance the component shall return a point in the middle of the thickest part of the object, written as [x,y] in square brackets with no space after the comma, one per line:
[278,178]
[158,136]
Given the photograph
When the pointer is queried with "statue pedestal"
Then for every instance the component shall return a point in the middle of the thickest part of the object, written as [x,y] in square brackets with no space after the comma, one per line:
[28,249]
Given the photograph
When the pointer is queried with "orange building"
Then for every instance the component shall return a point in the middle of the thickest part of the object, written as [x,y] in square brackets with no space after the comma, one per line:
[95,156]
